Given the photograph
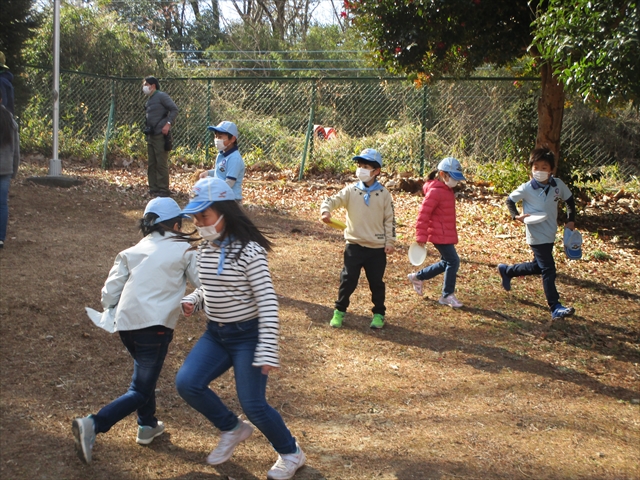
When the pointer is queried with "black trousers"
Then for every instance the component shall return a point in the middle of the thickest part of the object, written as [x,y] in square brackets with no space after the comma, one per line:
[374,262]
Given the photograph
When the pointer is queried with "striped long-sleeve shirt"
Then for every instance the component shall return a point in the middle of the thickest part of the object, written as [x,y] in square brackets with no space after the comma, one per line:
[242,290]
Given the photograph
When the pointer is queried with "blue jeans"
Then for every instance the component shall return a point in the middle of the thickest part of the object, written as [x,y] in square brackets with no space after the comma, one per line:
[5,181]
[449,264]
[542,264]
[222,346]
[148,347]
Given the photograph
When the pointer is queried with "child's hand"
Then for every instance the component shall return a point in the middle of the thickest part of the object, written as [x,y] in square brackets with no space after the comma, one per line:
[389,250]
[204,174]
[521,217]
[326,217]
[570,225]
[265,369]
[187,309]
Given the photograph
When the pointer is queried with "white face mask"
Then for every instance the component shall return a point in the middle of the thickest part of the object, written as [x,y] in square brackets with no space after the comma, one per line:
[209,232]
[363,174]
[451,182]
[146,89]
[540,176]
[219,144]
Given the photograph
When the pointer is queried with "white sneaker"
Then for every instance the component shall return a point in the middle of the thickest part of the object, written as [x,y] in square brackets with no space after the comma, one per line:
[450,300]
[417,284]
[287,465]
[84,434]
[228,443]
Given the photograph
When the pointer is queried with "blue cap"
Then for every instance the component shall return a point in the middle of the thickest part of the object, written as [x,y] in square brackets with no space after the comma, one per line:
[452,167]
[166,208]
[206,192]
[370,155]
[572,244]
[225,127]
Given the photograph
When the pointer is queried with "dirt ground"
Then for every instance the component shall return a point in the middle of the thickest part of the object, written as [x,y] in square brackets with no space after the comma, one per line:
[494,390]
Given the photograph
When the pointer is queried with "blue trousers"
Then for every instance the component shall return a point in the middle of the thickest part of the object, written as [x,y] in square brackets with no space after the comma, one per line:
[148,347]
[449,264]
[5,182]
[222,346]
[542,264]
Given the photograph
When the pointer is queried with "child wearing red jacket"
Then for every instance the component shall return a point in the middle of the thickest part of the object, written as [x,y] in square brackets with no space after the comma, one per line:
[437,224]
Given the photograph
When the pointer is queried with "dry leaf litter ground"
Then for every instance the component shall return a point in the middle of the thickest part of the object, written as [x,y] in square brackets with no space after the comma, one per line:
[491,391]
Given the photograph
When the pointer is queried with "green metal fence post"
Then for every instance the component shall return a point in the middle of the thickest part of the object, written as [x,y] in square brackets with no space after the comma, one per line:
[112,111]
[312,114]
[208,139]
[423,129]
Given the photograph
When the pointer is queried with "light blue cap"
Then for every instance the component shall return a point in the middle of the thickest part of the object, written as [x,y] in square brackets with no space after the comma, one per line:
[452,167]
[166,208]
[370,155]
[206,192]
[225,127]
[572,244]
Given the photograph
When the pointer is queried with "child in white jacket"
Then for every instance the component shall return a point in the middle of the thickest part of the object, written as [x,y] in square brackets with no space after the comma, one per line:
[141,298]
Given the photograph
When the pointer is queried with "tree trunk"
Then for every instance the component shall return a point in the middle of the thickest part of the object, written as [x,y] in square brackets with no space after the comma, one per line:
[550,112]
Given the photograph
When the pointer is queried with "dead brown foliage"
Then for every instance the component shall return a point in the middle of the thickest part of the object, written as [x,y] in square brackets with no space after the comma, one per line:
[492,391]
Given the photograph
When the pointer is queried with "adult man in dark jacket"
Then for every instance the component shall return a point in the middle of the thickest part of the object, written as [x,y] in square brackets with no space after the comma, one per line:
[161,112]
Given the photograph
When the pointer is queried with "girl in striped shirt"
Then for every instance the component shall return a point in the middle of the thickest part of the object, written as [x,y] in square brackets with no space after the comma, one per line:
[241,306]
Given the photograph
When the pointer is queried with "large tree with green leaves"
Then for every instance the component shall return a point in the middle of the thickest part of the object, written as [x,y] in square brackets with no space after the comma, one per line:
[94,41]
[18,23]
[587,45]
[593,46]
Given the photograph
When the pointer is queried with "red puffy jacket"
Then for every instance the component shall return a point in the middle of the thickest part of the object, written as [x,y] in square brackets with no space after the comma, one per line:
[436,221]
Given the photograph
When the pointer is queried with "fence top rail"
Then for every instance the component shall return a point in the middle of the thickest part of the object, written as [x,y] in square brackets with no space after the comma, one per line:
[291,79]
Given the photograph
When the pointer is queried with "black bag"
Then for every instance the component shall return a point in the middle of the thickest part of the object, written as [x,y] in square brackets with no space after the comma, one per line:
[168,142]
[148,130]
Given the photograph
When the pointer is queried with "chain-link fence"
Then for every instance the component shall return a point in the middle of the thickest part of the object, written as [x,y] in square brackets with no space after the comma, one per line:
[480,120]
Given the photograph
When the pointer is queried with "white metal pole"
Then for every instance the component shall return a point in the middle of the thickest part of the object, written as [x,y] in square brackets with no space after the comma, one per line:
[55,165]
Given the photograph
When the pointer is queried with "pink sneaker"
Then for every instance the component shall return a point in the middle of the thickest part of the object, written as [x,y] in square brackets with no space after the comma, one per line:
[417,284]
[450,300]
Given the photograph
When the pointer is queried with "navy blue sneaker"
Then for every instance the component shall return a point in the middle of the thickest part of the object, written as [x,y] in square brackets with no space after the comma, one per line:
[506,281]
[560,312]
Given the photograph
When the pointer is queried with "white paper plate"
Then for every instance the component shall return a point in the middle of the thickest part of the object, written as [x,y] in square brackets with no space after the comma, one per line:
[417,254]
[535,218]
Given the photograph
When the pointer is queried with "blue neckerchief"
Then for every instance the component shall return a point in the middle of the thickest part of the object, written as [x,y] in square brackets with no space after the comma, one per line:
[367,190]
[223,252]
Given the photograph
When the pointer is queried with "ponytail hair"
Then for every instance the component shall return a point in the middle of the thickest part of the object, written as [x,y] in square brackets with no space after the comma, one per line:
[147,224]
[433,174]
